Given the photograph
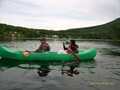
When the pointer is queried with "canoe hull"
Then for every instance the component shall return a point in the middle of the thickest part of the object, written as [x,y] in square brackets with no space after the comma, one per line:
[8,53]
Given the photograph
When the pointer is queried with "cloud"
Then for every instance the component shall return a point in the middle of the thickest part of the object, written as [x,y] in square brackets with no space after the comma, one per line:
[58,14]
[108,8]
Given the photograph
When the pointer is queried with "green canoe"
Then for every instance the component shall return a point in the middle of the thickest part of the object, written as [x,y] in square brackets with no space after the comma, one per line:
[8,53]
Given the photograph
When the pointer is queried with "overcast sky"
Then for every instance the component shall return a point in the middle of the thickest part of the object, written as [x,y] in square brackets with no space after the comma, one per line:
[58,14]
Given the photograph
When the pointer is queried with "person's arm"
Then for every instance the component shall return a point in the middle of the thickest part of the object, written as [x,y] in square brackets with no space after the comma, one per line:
[64,46]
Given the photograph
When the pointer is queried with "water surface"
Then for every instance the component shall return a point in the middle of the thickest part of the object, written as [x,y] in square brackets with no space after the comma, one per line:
[102,73]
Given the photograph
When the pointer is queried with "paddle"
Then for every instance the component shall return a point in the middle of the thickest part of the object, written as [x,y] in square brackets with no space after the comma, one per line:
[74,54]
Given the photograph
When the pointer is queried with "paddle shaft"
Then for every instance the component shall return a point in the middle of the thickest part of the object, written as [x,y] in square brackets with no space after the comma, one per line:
[74,54]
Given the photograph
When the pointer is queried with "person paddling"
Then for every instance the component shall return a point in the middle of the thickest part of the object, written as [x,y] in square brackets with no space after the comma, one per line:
[73,49]
[73,46]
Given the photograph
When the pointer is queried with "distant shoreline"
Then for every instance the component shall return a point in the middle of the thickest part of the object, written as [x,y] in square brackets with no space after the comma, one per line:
[64,39]
[70,39]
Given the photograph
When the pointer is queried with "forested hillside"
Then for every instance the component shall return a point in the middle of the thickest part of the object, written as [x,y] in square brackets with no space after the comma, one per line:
[109,30]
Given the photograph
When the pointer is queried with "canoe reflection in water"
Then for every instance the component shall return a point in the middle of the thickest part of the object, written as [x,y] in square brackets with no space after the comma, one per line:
[43,70]
[71,71]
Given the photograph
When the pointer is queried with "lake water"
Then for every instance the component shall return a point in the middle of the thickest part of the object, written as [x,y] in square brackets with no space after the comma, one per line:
[103,73]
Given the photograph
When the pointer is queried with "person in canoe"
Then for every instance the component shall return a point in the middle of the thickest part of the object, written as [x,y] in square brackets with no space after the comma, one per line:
[72,46]
[43,47]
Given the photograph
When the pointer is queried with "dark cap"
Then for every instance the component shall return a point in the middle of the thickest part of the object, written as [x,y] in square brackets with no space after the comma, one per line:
[42,39]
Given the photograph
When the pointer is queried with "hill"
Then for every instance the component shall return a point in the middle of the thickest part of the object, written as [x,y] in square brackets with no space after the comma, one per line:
[7,32]
[110,30]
